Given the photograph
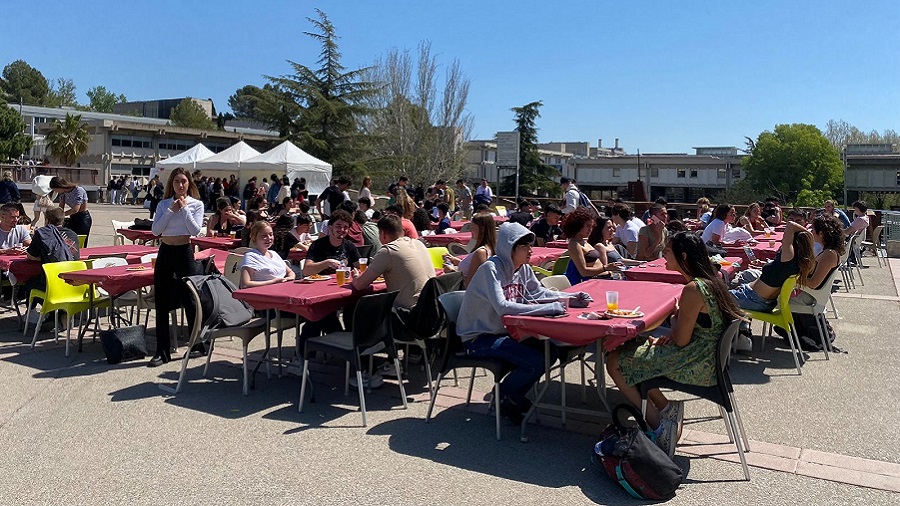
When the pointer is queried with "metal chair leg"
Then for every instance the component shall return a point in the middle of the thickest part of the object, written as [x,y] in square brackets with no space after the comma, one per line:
[362,395]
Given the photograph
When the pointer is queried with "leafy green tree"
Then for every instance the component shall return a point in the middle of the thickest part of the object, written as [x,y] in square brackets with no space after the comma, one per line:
[68,139]
[103,100]
[535,177]
[22,83]
[62,94]
[13,141]
[330,102]
[190,114]
[268,105]
[794,162]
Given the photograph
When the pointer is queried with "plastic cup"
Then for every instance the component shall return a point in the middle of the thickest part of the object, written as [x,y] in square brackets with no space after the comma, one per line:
[565,303]
[771,243]
[232,235]
[612,301]
[768,232]
[153,262]
[341,277]
[363,264]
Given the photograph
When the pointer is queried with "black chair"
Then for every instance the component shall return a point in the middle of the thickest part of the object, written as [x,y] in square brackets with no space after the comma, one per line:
[455,357]
[722,393]
[364,251]
[371,334]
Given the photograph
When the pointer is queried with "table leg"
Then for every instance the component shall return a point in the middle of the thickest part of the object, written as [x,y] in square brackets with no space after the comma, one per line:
[280,333]
[600,374]
[83,331]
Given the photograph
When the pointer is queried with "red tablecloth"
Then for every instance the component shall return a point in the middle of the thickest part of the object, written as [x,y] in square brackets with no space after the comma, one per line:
[24,269]
[656,301]
[119,279]
[540,256]
[558,244]
[762,250]
[137,235]
[445,239]
[656,271]
[312,301]
[296,254]
[222,243]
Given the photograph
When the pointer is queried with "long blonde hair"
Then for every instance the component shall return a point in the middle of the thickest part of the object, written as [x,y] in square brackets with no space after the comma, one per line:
[804,255]
[406,203]
[487,231]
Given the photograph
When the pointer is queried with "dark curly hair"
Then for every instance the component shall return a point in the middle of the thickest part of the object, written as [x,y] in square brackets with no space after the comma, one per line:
[832,232]
[573,222]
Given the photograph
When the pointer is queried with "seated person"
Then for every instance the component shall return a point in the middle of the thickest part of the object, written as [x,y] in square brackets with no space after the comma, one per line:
[704,211]
[355,233]
[723,217]
[404,263]
[52,243]
[283,240]
[652,237]
[409,230]
[301,232]
[13,238]
[369,230]
[287,207]
[365,205]
[443,217]
[252,217]
[838,213]
[484,234]
[687,352]
[261,265]
[523,215]
[798,217]
[628,227]
[506,285]
[773,206]
[753,221]
[547,228]
[224,219]
[859,224]
[584,261]
[324,256]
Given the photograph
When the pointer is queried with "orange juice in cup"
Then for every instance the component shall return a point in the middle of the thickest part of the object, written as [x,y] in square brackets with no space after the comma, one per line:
[768,232]
[612,301]
[341,277]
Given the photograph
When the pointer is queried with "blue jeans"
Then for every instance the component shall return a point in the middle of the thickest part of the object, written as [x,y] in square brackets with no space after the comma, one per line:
[528,363]
[752,301]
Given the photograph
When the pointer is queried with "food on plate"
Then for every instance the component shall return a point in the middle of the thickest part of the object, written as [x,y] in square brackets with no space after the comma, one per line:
[621,312]
[317,277]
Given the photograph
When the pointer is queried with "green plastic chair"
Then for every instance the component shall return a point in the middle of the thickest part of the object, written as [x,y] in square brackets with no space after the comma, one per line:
[437,256]
[782,318]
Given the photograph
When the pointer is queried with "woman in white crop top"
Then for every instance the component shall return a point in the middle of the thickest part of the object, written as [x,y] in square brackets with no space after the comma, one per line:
[178,217]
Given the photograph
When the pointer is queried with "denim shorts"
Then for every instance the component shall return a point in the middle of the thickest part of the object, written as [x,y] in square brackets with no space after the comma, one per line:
[752,301]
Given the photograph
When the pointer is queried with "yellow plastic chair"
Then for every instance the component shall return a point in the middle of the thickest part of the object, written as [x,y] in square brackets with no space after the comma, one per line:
[437,256]
[782,318]
[81,240]
[60,295]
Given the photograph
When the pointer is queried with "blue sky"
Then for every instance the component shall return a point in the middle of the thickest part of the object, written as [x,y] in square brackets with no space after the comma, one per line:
[661,76]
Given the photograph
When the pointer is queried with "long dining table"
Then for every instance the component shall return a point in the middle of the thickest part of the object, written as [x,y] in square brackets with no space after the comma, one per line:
[656,300]
[446,239]
[655,270]
[138,236]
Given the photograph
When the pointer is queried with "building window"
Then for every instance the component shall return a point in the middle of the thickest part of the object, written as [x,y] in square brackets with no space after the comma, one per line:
[654,171]
[720,173]
[735,173]
[898,178]
[693,172]
[617,172]
[681,172]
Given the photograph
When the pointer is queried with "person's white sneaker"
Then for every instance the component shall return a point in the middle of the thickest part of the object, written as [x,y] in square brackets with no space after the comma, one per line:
[368,382]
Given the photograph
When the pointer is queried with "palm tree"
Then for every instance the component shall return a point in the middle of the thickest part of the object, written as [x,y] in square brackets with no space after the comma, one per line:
[68,139]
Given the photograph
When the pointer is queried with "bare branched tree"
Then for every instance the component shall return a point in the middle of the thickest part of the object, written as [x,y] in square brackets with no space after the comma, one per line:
[415,128]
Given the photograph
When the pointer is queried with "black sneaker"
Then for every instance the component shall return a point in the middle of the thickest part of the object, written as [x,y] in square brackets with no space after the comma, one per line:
[511,411]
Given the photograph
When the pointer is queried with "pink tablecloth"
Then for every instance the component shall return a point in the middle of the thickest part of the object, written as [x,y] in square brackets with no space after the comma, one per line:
[656,271]
[222,243]
[445,239]
[119,279]
[137,235]
[558,244]
[656,301]
[762,250]
[312,301]
[24,269]
[541,256]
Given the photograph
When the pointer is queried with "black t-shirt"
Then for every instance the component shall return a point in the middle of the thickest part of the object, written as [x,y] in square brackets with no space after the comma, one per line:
[521,217]
[334,196]
[545,231]
[321,249]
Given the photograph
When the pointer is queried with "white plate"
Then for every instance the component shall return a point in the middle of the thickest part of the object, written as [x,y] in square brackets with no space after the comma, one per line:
[320,277]
[630,315]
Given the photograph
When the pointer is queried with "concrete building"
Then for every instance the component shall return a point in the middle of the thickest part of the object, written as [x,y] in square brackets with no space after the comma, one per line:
[871,168]
[161,109]
[131,145]
[481,158]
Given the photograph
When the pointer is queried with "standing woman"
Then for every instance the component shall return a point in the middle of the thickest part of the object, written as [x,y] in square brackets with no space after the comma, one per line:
[179,216]
[76,199]
[365,192]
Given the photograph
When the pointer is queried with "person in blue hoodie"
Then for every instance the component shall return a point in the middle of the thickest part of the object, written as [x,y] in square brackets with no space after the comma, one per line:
[506,285]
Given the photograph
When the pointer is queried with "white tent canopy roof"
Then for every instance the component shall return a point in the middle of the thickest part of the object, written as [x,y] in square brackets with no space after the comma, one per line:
[187,158]
[229,159]
[288,159]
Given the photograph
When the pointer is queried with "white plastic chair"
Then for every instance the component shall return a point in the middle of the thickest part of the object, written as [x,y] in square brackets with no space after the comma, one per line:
[127,299]
[557,282]
[817,308]
[119,239]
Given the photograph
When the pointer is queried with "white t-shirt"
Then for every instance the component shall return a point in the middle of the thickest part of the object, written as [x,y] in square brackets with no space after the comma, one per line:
[717,227]
[630,231]
[572,197]
[264,268]
[15,237]
[859,223]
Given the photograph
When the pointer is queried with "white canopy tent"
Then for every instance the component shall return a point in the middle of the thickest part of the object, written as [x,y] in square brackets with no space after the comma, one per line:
[288,159]
[186,159]
[228,160]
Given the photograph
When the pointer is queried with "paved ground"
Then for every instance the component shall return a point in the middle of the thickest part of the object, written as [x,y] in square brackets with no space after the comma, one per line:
[78,431]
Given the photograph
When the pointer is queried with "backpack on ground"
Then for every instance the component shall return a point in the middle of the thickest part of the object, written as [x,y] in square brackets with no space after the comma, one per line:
[633,460]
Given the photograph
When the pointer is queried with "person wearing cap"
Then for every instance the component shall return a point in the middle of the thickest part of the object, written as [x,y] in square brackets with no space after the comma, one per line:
[9,192]
[572,195]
